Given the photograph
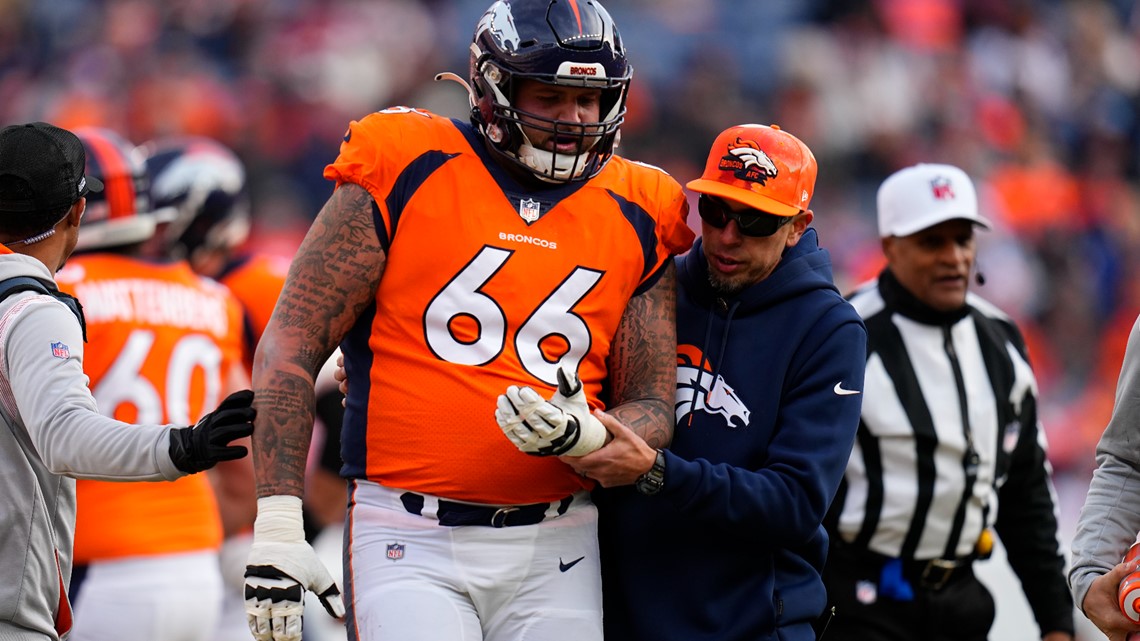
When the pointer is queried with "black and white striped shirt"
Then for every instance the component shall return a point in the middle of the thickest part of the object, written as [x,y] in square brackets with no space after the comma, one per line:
[948,433]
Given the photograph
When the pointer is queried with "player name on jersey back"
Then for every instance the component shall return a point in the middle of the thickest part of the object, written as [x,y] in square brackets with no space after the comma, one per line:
[154,302]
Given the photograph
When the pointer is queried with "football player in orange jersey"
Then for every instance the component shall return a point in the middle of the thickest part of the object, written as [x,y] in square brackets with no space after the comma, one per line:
[199,187]
[53,433]
[200,184]
[164,346]
[452,262]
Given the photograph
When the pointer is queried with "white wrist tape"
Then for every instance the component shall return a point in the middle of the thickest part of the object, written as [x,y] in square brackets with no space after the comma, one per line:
[279,520]
[591,435]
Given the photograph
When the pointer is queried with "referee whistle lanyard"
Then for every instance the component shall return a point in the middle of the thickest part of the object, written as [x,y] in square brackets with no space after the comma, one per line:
[970,460]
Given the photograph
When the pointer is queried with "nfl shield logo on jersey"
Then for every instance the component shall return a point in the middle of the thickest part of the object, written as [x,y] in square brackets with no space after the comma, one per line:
[529,210]
[60,350]
[395,551]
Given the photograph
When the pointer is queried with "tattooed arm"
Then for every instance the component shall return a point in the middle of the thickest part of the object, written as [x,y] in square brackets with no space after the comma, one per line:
[333,278]
[643,362]
[643,382]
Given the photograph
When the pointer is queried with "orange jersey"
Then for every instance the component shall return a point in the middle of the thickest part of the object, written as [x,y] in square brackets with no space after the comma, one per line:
[487,284]
[160,343]
[256,281]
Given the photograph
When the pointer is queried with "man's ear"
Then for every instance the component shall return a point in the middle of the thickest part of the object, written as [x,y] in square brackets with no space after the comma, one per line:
[75,215]
[799,226]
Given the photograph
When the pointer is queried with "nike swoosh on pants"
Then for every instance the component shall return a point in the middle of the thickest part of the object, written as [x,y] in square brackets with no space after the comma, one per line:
[562,567]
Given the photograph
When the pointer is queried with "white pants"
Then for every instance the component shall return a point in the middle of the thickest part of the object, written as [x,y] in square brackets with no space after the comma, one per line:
[410,578]
[175,597]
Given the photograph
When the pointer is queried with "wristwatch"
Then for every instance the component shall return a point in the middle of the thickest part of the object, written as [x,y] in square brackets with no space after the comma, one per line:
[652,481]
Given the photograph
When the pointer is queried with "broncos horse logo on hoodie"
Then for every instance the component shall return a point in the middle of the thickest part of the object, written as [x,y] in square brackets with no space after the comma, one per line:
[700,388]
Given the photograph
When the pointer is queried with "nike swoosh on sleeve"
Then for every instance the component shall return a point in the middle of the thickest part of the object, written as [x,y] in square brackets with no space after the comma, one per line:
[839,390]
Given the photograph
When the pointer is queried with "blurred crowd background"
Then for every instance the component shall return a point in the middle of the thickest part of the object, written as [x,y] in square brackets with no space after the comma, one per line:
[1037,99]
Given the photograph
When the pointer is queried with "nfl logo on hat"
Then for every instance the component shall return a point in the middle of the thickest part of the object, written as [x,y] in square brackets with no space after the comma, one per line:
[941,188]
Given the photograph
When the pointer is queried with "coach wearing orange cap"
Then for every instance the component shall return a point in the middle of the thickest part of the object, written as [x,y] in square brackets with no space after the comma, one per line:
[719,536]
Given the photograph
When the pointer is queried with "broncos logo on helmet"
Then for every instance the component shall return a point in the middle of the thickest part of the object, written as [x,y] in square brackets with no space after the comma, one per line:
[697,390]
[199,184]
[499,22]
[747,161]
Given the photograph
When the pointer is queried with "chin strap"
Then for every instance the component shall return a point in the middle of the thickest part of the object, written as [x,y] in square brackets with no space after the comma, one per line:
[551,166]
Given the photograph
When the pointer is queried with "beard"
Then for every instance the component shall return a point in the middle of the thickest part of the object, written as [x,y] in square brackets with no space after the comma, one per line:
[727,286]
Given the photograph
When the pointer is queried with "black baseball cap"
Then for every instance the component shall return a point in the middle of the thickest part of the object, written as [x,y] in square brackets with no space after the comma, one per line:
[42,169]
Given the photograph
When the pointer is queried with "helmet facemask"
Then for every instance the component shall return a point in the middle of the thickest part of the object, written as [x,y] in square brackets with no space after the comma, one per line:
[595,141]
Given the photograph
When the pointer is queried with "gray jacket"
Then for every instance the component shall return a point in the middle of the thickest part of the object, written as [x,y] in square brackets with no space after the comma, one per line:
[51,435]
[1110,518]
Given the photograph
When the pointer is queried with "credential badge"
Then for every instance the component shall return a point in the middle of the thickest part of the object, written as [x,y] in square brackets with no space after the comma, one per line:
[529,210]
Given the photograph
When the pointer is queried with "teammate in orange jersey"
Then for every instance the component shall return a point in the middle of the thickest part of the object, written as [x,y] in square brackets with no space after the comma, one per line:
[199,187]
[164,346]
[200,184]
[452,263]
[53,433]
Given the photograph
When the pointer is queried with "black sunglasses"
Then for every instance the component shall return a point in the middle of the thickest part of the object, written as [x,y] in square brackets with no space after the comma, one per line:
[754,222]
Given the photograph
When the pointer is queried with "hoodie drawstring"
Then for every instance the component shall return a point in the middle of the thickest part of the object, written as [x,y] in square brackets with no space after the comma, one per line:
[721,354]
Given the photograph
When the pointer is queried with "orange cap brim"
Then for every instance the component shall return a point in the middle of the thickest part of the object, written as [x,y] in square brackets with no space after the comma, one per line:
[742,196]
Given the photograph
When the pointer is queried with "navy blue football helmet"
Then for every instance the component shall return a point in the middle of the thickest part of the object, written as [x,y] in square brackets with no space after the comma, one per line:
[199,185]
[571,43]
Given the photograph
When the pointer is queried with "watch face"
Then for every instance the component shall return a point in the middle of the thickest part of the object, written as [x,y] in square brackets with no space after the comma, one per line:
[647,485]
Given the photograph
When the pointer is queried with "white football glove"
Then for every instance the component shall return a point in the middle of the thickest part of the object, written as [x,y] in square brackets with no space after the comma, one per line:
[281,567]
[562,425]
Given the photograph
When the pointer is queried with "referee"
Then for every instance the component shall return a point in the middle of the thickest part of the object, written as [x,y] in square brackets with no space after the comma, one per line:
[948,435]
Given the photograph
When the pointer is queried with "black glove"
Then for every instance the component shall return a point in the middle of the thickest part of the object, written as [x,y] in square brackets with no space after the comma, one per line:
[199,447]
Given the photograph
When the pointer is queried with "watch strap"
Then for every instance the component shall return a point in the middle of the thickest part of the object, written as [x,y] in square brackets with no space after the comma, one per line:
[652,481]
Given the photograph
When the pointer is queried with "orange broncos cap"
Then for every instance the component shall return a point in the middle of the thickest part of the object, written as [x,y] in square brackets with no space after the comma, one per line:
[759,166]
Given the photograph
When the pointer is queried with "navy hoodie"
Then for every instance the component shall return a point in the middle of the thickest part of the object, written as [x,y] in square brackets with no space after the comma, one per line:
[732,548]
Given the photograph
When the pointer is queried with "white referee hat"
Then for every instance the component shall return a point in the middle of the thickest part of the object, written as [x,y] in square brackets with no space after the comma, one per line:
[924,195]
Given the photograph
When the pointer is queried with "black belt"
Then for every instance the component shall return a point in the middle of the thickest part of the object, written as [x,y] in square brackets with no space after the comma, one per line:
[451,513]
[936,573]
[932,574]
